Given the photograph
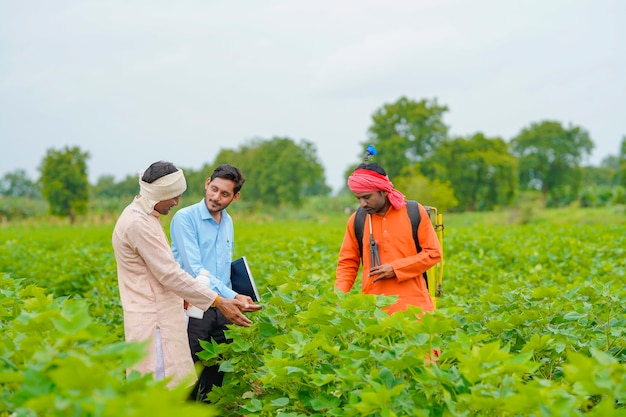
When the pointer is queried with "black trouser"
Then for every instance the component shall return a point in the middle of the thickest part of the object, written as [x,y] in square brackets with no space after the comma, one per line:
[211,326]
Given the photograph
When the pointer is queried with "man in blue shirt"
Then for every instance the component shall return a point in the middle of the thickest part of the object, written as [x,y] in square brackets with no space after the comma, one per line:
[202,239]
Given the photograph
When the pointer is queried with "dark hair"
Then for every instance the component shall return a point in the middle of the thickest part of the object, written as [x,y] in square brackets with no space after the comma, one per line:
[372,166]
[158,170]
[229,172]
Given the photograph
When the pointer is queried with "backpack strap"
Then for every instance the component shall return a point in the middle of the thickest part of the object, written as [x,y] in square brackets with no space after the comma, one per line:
[359,224]
[414,214]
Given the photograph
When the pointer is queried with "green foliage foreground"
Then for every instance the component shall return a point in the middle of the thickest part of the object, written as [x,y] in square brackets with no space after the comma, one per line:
[57,361]
[532,323]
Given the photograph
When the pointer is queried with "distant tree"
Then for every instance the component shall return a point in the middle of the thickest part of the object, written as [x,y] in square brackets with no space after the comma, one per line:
[195,183]
[428,191]
[406,132]
[107,187]
[550,157]
[316,185]
[607,174]
[611,161]
[18,184]
[283,171]
[64,181]
[593,176]
[481,171]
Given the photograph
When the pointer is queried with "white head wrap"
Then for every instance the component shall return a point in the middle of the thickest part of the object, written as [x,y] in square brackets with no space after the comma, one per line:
[169,186]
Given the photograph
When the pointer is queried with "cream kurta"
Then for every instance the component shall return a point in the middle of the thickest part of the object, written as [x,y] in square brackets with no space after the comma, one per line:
[152,288]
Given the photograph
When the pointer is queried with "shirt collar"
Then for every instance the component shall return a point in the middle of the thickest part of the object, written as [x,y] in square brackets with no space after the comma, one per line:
[205,215]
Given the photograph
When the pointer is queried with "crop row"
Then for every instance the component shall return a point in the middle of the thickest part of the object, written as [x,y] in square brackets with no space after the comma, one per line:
[531,323]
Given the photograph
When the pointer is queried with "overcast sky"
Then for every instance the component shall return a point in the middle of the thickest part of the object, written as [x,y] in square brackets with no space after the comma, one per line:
[132,82]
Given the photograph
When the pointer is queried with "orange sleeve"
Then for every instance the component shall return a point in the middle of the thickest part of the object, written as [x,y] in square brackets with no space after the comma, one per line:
[349,259]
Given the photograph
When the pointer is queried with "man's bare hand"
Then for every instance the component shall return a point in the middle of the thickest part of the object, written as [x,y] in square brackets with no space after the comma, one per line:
[384,271]
[249,305]
[232,310]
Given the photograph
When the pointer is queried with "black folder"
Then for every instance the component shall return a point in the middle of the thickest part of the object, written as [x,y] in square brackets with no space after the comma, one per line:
[242,280]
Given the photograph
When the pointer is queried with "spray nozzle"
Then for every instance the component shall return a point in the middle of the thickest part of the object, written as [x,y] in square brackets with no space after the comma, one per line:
[369,152]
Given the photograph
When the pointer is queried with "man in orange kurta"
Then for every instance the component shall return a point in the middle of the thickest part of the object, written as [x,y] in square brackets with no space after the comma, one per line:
[400,270]
[151,283]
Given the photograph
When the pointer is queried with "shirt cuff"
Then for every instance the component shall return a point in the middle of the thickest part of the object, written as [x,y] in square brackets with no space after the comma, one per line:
[227,293]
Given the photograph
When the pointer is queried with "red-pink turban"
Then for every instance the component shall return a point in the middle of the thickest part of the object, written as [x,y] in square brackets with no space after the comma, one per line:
[365,180]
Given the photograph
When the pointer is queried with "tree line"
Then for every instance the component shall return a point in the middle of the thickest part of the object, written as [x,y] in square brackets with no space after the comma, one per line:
[462,173]
[475,172]
[284,172]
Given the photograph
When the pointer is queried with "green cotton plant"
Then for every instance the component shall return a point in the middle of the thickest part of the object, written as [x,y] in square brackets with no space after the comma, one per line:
[531,324]
[53,362]
[76,262]
[344,358]
[504,334]
[599,376]
[359,362]
[313,352]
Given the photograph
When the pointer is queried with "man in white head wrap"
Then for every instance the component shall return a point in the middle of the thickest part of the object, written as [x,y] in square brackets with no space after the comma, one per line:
[151,283]
[168,187]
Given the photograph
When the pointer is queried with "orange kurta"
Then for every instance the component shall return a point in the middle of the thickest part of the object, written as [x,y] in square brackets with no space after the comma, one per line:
[152,287]
[396,246]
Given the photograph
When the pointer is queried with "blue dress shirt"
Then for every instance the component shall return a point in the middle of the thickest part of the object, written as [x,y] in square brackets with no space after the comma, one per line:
[199,242]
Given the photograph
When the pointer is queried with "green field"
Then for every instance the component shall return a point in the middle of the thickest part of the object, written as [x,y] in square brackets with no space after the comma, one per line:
[531,323]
